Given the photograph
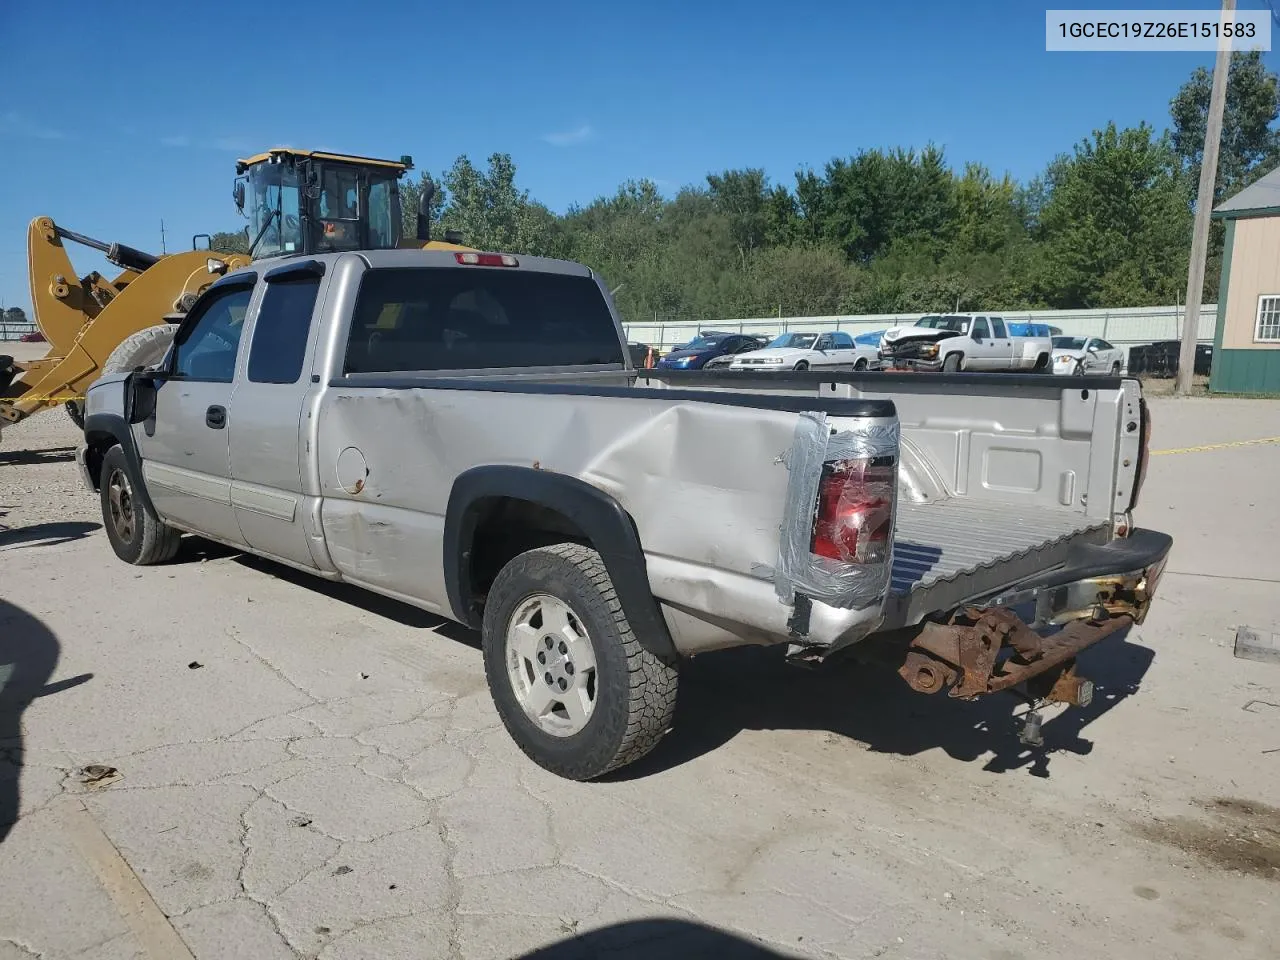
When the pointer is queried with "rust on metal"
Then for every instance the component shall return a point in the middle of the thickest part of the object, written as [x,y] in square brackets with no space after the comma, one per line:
[983,651]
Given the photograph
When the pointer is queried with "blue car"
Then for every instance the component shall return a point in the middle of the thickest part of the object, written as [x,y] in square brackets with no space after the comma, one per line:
[707,346]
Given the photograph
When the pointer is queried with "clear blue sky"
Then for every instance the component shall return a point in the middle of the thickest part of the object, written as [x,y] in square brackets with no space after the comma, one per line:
[112,119]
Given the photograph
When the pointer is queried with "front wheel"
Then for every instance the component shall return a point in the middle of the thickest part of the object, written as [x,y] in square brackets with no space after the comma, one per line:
[137,535]
[802,365]
[951,364]
[574,687]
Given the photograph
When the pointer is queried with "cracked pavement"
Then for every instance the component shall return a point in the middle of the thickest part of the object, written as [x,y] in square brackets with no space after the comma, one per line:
[333,782]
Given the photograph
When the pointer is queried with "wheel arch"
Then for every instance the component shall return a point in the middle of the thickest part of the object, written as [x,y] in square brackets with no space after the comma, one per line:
[544,507]
[102,431]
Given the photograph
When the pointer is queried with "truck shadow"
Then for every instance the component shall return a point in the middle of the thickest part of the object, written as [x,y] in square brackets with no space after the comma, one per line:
[45,534]
[655,939]
[26,458]
[28,654]
[376,604]
[658,938]
[724,693]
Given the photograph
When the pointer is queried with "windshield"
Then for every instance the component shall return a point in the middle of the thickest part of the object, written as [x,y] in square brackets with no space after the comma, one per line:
[273,205]
[802,341]
[958,324]
[702,343]
[1068,343]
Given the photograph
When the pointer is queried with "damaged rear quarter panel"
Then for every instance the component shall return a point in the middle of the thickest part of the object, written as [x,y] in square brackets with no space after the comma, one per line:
[705,484]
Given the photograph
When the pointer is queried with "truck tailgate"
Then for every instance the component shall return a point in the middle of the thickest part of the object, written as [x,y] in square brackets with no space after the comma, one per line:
[948,551]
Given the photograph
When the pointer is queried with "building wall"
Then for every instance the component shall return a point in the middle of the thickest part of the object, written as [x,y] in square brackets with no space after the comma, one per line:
[1250,269]
[1254,272]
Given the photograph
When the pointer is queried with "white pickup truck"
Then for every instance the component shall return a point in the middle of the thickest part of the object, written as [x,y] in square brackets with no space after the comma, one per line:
[957,342]
[464,432]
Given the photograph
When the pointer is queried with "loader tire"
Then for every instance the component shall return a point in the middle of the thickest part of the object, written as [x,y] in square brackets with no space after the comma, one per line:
[145,348]
[136,534]
[554,629]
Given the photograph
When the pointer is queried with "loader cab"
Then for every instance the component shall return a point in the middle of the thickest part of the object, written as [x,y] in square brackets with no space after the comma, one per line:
[306,202]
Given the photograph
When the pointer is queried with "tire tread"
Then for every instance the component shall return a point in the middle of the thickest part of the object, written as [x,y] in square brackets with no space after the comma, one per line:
[652,683]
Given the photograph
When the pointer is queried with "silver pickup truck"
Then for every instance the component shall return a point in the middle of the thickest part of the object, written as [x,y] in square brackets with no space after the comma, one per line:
[464,432]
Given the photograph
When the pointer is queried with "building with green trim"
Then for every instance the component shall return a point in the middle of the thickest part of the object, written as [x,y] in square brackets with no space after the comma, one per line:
[1246,346]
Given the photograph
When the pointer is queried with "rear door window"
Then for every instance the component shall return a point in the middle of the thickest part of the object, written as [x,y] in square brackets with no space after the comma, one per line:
[997,326]
[281,329]
[470,318]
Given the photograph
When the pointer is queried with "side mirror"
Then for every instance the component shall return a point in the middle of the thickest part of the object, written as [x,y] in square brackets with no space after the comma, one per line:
[427,194]
[140,397]
[237,193]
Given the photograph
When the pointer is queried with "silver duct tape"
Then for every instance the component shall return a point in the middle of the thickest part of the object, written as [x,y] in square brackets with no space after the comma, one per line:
[841,585]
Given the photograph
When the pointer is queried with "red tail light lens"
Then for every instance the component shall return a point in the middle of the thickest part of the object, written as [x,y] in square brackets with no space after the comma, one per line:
[486,259]
[855,510]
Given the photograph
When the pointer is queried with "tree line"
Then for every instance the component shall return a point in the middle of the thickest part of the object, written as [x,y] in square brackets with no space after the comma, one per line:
[892,230]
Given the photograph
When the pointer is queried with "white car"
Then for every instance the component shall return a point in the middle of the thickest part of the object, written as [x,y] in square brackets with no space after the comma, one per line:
[1078,356]
[800,351]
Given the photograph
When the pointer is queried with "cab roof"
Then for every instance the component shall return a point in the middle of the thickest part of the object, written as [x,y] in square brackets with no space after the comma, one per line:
[401,165]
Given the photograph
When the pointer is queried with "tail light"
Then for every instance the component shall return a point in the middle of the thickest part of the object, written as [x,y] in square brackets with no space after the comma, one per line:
[855,510]
[486,259]
[1144,422]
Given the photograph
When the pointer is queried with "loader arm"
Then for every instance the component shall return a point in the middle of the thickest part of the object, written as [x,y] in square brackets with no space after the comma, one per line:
[84,319]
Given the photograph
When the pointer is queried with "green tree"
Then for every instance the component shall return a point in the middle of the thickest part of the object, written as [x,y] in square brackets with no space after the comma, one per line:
[230,242]
[1250,145]
[741,197]
[1117,223]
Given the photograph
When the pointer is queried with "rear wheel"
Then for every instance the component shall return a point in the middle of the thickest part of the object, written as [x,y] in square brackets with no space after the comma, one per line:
[574,687]
[1042,363]
[1115,369]
[137,535]
[951,364]
[802,365]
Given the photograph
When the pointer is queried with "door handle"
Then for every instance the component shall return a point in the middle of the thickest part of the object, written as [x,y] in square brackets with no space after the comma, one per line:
[215,417]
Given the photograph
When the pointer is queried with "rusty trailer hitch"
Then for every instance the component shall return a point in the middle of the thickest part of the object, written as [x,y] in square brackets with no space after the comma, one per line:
[985,651]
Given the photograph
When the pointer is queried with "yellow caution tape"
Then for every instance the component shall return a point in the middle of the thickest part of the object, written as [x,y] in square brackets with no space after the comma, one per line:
[1218,446]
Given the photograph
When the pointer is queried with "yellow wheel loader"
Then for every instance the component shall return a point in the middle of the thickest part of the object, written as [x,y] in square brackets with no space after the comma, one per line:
[297,202]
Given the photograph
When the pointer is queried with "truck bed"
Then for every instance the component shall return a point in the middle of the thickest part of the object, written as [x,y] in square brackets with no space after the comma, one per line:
[948,551]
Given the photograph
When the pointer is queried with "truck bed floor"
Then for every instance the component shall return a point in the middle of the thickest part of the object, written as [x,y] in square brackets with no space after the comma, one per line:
[949,551]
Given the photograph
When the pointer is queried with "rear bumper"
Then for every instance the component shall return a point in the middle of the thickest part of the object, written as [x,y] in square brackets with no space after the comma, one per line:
[1037,627]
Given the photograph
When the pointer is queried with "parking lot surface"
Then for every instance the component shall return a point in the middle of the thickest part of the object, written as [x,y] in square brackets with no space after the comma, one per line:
[223,758]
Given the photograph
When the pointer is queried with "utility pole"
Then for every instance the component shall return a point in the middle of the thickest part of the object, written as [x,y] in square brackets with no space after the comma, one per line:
[1204,207]
[162,249]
